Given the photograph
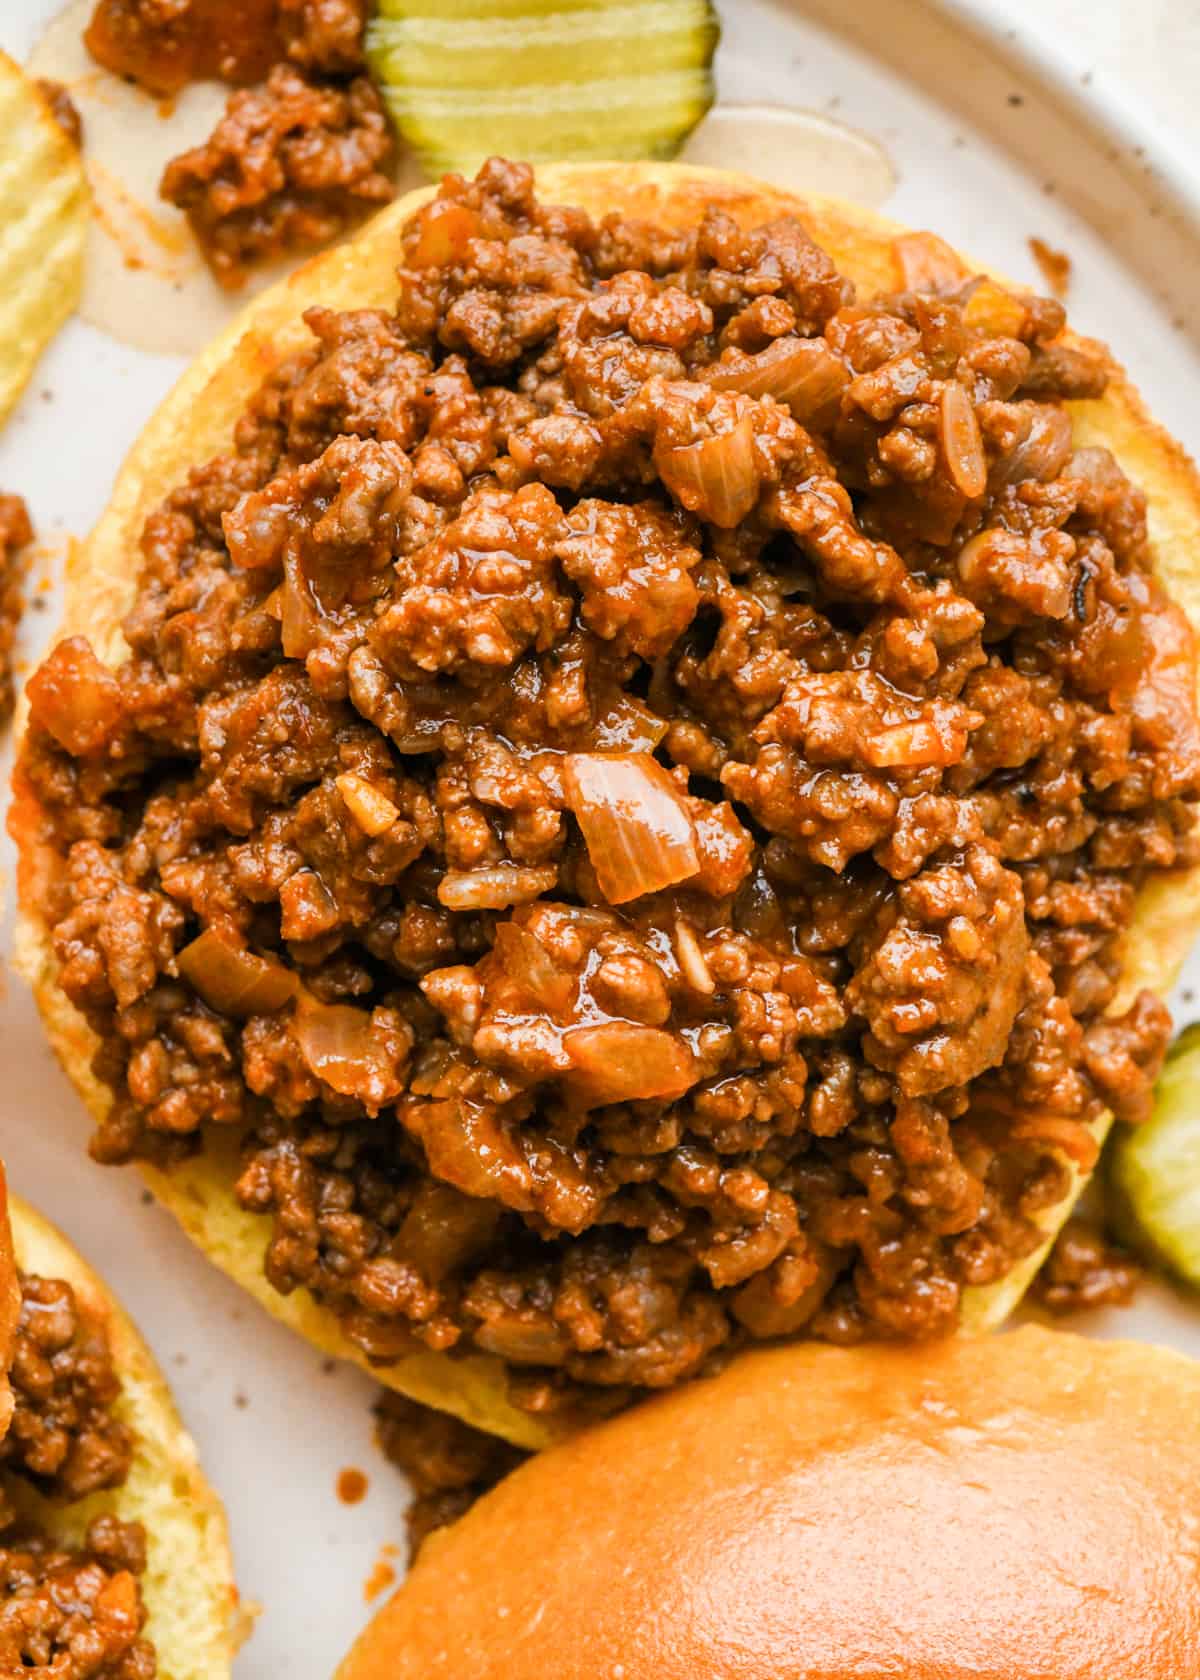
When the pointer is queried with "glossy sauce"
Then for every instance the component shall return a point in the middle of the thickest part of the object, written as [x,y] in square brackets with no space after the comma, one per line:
[233,40]
[383,1573]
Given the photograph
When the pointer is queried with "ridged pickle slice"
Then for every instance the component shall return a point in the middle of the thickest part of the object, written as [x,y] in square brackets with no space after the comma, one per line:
[564,81]
[1155,1168]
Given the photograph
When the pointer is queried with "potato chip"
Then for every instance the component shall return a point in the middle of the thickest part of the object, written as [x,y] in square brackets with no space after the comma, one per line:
[43,224]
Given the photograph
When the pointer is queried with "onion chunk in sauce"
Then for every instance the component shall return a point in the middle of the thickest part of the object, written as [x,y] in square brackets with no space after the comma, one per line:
[637,828]
[925,263]
[962,444]
[620,1061]
[233,980]
[716,478]
[802,373]
[355,1052]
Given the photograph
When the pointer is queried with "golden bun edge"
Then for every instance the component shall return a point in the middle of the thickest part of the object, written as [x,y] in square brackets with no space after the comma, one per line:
[193,1613]
[195,422]
[10,1305]
[1019,1506]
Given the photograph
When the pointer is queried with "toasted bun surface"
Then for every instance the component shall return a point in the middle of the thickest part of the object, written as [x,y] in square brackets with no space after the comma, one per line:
[188,1589]
[196,421]
[1018,1507]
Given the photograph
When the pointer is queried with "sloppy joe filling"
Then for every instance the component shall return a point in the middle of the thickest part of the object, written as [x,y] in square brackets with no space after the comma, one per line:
[292,161]
[629,782]
[449,1465]
[164,44]
[72,1612]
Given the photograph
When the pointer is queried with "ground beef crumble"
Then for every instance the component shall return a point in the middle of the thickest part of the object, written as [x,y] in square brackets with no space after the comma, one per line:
[15,533]
[627,791]
[448,1463]
[288,166]
[75,1614]
[1084,1270]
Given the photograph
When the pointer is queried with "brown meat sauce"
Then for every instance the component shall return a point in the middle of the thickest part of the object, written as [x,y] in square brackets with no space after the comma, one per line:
[75,1613]
[628,787]
[164,44]
[448,1463]
[288,166]
[1085,1270]
[294,159]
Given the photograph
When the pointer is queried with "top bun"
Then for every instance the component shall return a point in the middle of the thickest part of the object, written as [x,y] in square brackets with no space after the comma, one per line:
[1006,1509]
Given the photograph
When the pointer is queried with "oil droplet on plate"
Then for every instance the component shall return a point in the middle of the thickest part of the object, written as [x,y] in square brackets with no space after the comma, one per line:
[800,151]
[351,1486]
[383,1572]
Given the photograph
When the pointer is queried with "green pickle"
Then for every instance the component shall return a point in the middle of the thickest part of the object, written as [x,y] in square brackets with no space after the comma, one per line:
[1155,1168]
[558,82]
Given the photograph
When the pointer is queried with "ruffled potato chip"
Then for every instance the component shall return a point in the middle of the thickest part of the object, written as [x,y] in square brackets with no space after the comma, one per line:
[43,225]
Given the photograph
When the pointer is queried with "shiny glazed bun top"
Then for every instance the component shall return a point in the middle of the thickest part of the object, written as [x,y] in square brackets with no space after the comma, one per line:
[1017,1508]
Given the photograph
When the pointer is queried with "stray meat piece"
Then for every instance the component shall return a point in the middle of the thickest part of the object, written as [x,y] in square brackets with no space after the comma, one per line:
[449,1464]
[1085,1270]
[289,165]
[164,44]
[1055,265]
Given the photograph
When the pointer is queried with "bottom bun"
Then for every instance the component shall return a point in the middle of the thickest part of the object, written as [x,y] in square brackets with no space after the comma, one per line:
[193,1618]
[10,1305]
[1015,1508]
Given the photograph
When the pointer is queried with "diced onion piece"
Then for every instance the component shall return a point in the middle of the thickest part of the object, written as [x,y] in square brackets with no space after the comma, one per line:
[234,980]
[620,1061]
[638,831]
[994,310]
[471,1146]
[372,811]
[1042,453]
[528,965]
[257,530]
[716,478]
[496,886]
[962,444]
[692,962]
[628,726]
[802,373]
[446,231]
[299,619]
[75,697]
[1072,1138]
[337,1043]
[921,742]
[925,263]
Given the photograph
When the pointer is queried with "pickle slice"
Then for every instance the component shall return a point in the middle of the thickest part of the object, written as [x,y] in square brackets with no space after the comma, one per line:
[1155,1168]
[564,81]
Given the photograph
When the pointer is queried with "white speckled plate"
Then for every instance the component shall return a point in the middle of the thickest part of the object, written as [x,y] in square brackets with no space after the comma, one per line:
[992,140]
